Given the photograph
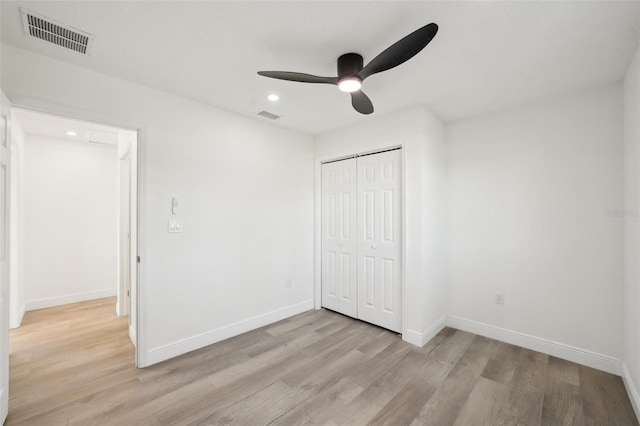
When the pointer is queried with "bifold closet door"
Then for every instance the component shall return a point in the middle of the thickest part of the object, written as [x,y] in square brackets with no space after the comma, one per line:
[339,237]
[379,239]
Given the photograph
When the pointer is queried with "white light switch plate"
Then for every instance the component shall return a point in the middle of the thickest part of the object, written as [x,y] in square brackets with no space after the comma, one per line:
[175,225]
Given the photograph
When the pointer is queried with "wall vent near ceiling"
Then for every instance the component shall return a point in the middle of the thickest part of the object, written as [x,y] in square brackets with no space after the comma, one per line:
[100,143]
[99,137]
[267,114]
[38,26]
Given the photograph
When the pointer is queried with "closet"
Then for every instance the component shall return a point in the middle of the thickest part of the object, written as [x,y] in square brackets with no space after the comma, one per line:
[361,238]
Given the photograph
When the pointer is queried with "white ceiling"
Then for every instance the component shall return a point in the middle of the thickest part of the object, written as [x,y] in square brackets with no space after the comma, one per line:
[486,55]
[39,124]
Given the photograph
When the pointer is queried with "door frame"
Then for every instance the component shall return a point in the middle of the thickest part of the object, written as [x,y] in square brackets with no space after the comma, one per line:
[65,111]
[123,307]
[5,242]
[317,263]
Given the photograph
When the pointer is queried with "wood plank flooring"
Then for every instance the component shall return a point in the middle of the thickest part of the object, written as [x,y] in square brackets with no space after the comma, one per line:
[73,365]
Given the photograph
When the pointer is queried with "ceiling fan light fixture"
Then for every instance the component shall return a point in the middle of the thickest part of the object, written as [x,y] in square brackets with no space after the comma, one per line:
[351,71]
[350,84]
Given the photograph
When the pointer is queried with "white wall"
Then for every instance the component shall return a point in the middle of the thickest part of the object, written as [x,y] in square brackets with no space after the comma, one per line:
[421,136]
[246,192]
[16,226]
[434,232]
[632,231]
[528,189]
[70,215]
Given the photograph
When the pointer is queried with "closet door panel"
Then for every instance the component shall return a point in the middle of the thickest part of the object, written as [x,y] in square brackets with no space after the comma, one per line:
[339,238]
[379,243]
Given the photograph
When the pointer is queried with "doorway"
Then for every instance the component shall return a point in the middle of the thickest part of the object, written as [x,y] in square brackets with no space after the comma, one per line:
[74,229]
[361,242]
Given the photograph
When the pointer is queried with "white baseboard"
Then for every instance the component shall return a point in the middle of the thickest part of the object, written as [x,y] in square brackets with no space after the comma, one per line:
[132,334]
[632,390]
[413,337]
[18,321]
[33,305]
[23,309]
[560,350]
[189,344]
[421,339]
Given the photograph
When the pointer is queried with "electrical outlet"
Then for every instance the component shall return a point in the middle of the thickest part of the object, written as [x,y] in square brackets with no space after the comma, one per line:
[500,298]
[289,282]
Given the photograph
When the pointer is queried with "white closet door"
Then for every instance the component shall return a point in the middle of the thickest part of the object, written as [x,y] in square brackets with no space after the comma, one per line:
[379,240]
[339,237]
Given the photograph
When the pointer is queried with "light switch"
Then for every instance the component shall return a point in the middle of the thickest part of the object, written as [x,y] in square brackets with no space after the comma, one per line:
[175,225]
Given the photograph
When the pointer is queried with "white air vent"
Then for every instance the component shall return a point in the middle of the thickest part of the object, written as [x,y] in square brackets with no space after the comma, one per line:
[100,137]
[267,114]
[55,32]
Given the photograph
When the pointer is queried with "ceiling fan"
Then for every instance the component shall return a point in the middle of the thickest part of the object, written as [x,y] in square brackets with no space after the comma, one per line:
[351,73]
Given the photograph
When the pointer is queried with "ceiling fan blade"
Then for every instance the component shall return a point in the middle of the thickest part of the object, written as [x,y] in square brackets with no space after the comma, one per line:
[361,102]
[400,51]
[297,76]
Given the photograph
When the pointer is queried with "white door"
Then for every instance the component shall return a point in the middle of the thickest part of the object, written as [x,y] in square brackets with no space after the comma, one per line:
[124,238]
[4,259]
[133,241]
[379,239]
[339,237]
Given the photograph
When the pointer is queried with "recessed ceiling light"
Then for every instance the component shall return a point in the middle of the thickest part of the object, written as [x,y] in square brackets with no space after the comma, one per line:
[273,97]
[72,133]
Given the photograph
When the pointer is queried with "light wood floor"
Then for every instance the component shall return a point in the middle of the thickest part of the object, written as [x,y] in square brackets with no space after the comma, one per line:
[74,365]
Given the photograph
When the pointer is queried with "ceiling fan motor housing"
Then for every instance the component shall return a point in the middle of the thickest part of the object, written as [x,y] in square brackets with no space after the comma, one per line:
[349,65]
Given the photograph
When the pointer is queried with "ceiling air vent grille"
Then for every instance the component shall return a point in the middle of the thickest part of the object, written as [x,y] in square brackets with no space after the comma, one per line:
[46,29]
[267,114]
